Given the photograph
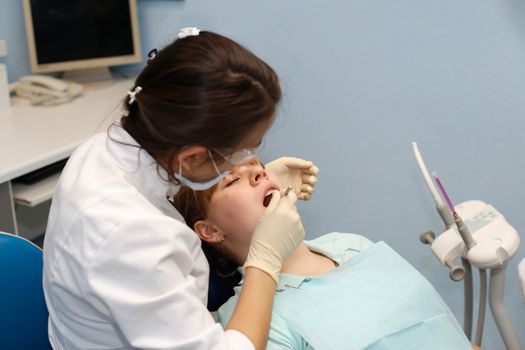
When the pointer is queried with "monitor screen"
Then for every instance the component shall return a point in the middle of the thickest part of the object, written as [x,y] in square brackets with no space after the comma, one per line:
[79,34]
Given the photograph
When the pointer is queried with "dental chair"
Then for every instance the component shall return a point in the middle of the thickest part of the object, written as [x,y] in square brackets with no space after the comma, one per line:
[23,312]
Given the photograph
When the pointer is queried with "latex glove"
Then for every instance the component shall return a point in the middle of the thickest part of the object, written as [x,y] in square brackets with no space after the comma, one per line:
[295,172]
[276,236]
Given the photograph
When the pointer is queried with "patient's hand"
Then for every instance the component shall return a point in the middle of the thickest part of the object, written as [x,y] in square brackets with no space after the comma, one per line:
[295,172]
[475,347]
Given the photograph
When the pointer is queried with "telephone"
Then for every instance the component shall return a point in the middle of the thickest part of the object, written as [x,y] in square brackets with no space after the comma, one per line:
[45,90]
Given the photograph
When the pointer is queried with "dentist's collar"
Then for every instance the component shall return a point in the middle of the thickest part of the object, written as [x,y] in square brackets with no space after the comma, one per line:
[138,164]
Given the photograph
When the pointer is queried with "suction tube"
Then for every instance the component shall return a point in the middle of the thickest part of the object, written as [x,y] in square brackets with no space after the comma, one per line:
[441,208]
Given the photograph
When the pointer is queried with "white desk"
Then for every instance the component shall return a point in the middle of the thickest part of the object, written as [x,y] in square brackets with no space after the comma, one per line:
[33,137]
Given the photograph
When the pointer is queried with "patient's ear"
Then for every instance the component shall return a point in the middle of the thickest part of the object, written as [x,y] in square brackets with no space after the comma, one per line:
[207,232]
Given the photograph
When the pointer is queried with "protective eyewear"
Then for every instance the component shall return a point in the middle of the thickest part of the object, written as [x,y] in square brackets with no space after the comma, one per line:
[238,157]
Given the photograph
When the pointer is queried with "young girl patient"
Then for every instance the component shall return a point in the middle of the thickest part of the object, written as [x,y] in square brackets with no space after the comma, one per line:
[338,291]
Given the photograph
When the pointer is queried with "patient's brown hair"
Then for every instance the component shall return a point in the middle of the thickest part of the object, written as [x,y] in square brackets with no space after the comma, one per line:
[193,206]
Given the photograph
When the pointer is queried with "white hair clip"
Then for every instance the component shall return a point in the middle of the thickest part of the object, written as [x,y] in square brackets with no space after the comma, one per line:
[188,31]
[133,93]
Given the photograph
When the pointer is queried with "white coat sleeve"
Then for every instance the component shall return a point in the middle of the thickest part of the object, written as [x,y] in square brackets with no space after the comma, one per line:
[141,278]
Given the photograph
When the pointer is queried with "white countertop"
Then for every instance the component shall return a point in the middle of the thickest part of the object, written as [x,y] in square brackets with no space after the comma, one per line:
[35,136]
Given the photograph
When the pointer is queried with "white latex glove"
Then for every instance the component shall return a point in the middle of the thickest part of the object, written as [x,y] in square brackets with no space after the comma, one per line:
[276,236]
[295,172]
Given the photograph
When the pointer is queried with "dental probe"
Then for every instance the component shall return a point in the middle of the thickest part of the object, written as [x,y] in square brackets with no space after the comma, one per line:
[288,189]
[462,228]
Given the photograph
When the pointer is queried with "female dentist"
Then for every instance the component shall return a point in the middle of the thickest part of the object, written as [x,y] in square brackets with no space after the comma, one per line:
[121,269]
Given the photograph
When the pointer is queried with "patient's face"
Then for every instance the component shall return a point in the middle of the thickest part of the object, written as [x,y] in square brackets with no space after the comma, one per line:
[238,202]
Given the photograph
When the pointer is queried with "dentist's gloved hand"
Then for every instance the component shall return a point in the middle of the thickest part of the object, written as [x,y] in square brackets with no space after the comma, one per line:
[295,172]
[276,236]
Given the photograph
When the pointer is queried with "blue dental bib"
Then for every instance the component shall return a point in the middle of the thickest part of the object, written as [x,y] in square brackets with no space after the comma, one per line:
[374,301]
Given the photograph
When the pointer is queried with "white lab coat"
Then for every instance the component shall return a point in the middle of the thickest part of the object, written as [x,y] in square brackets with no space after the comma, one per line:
[121,269]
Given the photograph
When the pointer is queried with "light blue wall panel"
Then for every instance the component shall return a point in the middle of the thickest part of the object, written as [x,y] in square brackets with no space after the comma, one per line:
[361,80]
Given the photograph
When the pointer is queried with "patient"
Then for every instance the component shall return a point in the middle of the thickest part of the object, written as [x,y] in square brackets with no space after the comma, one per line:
[338,291]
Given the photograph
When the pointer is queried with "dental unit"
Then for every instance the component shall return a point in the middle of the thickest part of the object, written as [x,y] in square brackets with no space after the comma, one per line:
[479,235]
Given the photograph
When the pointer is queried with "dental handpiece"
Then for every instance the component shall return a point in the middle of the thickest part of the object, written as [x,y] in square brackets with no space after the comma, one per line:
[462,228]
[464,231]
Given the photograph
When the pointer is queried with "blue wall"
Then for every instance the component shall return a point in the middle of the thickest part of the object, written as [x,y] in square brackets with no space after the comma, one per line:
[364,78]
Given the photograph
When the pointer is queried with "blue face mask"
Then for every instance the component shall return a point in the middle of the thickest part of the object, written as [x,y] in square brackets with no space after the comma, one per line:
[202,186]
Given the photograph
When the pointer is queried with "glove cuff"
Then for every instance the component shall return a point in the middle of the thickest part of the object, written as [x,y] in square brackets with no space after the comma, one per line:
[264,258]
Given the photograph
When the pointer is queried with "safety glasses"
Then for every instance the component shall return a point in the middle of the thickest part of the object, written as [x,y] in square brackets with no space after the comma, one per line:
[243,155]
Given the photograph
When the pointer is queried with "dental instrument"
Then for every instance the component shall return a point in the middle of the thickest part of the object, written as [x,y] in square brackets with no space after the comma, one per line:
[480,236]
[463,230]
[440,206]
[287,190]
[457,273]
[469,242]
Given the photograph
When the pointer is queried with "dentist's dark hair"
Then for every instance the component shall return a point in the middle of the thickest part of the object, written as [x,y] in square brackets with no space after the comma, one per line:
[193,206]
[200,90]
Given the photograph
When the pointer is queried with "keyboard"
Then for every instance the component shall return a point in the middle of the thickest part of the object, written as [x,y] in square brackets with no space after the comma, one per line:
[42,173]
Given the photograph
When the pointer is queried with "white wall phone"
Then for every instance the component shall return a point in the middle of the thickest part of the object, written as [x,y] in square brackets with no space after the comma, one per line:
[45,90]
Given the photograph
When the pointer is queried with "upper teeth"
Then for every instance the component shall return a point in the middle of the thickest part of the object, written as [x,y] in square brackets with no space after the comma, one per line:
[268,193]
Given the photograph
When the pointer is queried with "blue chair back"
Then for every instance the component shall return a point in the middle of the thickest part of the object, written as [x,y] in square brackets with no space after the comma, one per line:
[23,312]
[221,289]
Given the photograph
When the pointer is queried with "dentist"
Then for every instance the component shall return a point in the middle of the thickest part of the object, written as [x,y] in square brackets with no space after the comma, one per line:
[121,268]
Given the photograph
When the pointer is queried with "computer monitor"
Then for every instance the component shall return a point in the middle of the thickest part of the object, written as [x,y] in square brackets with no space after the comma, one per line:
[86,36]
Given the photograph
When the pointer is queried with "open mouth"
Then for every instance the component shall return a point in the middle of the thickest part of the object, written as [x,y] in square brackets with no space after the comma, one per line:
[267,198]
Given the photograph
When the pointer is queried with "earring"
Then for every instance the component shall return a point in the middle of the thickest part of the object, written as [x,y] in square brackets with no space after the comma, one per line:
[220,238]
